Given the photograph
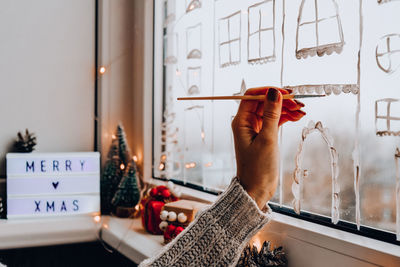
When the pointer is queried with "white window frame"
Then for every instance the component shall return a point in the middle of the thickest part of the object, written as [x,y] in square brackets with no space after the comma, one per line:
[328,244]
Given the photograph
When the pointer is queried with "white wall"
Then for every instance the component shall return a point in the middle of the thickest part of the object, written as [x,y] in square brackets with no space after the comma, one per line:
[47,73]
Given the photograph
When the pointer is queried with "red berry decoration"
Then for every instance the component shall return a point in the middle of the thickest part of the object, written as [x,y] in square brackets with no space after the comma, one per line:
[178,230]
[166,193]
[161,187]
[153,192]
[170,229]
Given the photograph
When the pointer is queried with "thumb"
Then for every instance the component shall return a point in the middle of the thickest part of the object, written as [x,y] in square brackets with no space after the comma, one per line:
[272,113]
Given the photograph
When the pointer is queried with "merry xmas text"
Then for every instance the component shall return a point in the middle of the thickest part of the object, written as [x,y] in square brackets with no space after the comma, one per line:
[52,165]
[52,206]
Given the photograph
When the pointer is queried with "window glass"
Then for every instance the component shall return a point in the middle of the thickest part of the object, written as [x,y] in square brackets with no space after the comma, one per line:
[340,162]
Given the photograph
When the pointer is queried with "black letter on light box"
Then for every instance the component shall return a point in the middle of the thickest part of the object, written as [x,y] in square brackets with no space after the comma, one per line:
[82,163]
[42,166]
[55,165]
[30,167]
[68,165]
[37,206]
[75,203]
[63,207]
[50,206]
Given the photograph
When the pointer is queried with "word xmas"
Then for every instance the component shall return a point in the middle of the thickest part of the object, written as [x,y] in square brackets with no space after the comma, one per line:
[42,206]
[53,165]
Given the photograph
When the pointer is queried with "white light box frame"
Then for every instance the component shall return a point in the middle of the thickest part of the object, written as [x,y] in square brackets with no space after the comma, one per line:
[52,184]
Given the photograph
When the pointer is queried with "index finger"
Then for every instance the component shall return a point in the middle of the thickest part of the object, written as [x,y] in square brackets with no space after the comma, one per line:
[252,106]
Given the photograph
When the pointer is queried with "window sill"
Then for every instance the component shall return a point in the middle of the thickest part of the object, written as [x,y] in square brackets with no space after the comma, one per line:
[300,239]
[297,237]
[24,233]
[129,238]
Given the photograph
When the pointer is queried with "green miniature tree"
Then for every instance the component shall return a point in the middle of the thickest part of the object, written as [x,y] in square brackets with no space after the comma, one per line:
[111,177]
[124,152]
[128,193]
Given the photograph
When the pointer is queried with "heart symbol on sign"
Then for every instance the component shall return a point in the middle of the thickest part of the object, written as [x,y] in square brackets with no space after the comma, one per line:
[55,184]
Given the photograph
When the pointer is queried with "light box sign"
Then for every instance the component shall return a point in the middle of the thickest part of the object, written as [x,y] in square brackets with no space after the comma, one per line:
[52,184]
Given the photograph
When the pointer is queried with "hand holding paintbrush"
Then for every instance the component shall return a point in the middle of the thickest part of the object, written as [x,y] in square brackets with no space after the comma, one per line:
[255,131]
[290,107]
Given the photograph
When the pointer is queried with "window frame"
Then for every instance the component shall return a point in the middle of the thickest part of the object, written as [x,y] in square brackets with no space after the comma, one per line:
[208,194]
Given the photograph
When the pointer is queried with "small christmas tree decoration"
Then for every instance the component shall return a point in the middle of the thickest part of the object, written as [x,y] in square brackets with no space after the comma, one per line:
[25,143]
[127,195]
[124,152]
[111,177]
[266,257]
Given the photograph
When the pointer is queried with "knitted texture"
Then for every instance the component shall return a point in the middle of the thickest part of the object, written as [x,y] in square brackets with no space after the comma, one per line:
[218,234]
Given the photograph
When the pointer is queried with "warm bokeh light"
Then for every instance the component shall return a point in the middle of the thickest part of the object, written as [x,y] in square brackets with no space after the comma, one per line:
[122,166]
[190,165]
[113,136]
[161,167]
[97,218]
[102,70]
[208,164]
[135,158]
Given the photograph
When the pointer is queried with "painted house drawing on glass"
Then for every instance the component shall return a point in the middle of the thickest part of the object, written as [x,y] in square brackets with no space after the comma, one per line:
[331,47]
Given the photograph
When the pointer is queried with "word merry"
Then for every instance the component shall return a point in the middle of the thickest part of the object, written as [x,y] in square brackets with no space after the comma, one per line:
[52,206]
[54,165]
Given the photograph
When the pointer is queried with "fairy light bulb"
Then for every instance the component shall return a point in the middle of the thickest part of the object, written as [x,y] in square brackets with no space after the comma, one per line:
[97,218]
[102,70]
[161,167]
[122,166]
[135,158]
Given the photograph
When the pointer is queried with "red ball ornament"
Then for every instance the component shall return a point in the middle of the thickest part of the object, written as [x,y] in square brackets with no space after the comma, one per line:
[166,193]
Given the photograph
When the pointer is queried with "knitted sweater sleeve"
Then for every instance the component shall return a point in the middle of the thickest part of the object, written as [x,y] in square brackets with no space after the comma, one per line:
[218,234]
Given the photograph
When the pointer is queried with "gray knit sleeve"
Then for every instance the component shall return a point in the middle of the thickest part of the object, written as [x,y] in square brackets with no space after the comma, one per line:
[218,234]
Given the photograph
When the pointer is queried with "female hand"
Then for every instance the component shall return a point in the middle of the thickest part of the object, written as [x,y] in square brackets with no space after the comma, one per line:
[255,131]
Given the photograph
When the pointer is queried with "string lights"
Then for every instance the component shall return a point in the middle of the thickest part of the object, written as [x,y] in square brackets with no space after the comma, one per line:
[102,70]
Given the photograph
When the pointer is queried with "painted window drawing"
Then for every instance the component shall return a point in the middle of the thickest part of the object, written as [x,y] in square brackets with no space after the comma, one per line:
[300,174]
[230,40]
[169,161]
[169,11]
[242,90]
[171,48]
[192,5]
[261,32]
[331,47]
[385,1]
[319,29]
[387,53]
[194,145]
[193,80]
[193,42]
[387,117]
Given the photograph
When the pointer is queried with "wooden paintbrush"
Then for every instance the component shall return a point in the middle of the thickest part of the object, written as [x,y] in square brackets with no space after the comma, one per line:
[245,97]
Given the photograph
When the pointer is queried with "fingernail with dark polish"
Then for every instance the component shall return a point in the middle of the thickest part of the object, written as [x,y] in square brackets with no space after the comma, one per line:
[302,112]
[272,95]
